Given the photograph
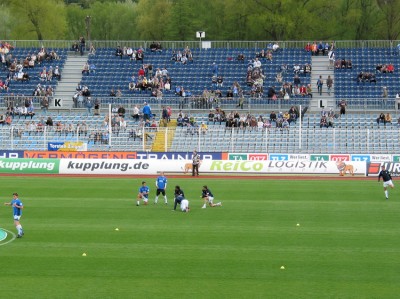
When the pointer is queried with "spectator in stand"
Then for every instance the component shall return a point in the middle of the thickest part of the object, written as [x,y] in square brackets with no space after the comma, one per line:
[82,45]
[307,47]
[329,83]
[381,119]
[118,52]
[85,69]
[49,121]
[342,105]
[388,118]
[331,56]
[273,117]
[390,68]
[121,111]
[147,115]
[57,73]
[31,111]
[275,47]
[320,82]
[323,123]
[241,57]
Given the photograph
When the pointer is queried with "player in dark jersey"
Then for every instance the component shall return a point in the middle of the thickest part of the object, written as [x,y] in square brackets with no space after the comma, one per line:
[207,196]
[179,196]
[387,180]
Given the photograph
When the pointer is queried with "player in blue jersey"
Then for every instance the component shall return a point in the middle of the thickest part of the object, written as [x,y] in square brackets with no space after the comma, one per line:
[161,184]
[143,194]
[17,206]
[208,197]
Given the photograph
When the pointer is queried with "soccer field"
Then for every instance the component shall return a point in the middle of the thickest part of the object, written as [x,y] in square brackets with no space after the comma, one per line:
[347,243]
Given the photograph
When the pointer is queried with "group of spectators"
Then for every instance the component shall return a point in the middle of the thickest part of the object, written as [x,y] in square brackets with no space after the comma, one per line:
[321,48]
[184,57]
[133,54]
[234,119]
[17,68]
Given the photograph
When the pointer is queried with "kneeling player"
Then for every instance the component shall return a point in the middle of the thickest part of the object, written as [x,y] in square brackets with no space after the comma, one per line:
[185,205]
[143,194]
[207,196]
[178,196]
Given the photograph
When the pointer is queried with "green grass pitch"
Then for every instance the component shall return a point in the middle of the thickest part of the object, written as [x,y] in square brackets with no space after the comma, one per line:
[347,244]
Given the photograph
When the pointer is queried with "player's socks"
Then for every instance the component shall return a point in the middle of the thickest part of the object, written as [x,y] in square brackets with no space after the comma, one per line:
[165,199]
[156,199]
[204,206]
[387,194]
[137,203]
[19,228]
[219,204]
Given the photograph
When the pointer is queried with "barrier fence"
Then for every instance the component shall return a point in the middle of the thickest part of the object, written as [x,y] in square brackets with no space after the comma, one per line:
[198,103]
[80,135]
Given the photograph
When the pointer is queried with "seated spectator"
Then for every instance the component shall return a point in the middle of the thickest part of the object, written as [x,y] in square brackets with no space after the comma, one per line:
[241,57]
[338,64]
[285,124]
[331,122]
[203,128]
[279,77]
[121,111]
[323,123]
[273,117]
[31,111]
[85,69]
[275,47]
[307,47]
[57,73]
[390,68]
[381,119]
[49,121]
[118,52]
[388,118]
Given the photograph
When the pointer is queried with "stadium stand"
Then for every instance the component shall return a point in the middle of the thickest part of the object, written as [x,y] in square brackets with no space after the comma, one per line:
[355,132]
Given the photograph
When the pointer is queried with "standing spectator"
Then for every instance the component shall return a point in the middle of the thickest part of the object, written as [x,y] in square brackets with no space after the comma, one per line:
[214,69]
[97,106]
[44,105]
[146,112]
[342,105]
[384,95]
[329,83]
[320,82]
[161,184]
[89,105]
[82,45]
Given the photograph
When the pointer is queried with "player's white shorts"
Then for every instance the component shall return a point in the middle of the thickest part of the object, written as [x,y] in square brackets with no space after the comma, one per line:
[17,217]
[145,199]
[388,184]
[184,205]
[210,199]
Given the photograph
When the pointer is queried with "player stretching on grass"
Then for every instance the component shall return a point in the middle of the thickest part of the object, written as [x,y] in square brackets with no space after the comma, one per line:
[179,196]
[387,180]
[143,194]
[17,212]
[161,184]
[207,196]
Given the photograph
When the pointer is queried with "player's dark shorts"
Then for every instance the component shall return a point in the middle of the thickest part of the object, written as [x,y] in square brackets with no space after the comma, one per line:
[162,191]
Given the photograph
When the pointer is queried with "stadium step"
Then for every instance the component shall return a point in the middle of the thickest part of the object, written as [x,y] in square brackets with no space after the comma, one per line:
[320,67]
[70,77]
[159,142]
